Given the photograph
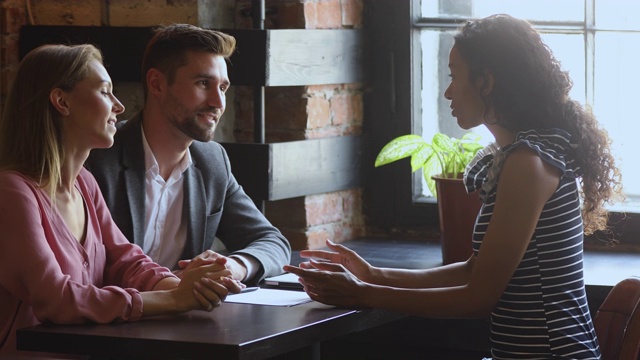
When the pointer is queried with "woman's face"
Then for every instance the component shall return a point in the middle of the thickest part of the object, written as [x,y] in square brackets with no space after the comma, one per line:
[92,110]
[466,101]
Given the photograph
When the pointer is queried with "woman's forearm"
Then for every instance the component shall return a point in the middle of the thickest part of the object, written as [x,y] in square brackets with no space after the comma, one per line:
[167,283]
[160,302]
[444,276]
[447,302]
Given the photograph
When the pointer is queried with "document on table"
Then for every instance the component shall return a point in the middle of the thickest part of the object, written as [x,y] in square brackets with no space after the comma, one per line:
[274,297]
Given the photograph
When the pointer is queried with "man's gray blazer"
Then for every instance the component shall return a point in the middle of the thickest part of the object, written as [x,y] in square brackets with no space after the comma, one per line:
[214,202]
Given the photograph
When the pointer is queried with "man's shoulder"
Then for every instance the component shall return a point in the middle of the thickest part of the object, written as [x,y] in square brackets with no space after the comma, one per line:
[210,149]
[209,157]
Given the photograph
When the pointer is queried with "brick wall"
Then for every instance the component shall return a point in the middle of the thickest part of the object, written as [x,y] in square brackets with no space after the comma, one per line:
[291,113]
[308,112]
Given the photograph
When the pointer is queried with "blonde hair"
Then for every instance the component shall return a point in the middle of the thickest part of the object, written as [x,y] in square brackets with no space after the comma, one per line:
[30,128]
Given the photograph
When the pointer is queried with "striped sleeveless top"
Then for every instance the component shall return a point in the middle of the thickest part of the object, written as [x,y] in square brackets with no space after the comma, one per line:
[543,313]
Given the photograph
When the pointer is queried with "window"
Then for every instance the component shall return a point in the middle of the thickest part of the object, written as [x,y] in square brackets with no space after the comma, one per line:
[595,40]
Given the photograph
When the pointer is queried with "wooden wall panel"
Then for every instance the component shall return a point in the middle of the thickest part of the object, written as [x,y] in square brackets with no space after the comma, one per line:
[285,170]
[313,57]
[263,57]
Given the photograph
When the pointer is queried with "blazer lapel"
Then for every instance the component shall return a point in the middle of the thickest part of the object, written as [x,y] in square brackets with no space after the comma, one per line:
[193,208]
[133,160]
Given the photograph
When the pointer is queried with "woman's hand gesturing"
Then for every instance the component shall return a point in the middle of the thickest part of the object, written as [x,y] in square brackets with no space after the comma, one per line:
[339,254]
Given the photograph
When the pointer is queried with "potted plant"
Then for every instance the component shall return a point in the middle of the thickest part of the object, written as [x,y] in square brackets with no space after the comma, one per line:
[443,161]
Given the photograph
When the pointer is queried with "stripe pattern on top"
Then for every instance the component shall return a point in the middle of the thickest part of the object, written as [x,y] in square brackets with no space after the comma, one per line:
[543,313]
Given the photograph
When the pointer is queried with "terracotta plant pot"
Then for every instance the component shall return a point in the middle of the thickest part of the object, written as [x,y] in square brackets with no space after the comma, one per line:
[458,211]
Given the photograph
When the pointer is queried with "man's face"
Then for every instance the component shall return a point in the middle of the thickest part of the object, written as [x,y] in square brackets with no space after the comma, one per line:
[196,99]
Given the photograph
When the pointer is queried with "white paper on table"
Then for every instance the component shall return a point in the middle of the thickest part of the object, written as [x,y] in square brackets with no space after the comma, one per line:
[274,297]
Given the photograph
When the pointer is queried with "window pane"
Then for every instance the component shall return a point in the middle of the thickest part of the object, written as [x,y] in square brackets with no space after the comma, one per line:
[436,114]
[618,14]
[569,50]
[615,97]
[435,54]
[564,10]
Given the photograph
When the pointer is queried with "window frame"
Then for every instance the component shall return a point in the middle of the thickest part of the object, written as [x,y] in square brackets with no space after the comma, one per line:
[392,108]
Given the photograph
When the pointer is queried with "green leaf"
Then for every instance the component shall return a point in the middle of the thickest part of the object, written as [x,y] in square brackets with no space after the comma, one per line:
[399,148]
[421,156]
[445,156]
[443,142]
[428,172]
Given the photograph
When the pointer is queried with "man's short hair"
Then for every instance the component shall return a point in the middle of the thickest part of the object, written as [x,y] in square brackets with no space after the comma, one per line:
[167,49]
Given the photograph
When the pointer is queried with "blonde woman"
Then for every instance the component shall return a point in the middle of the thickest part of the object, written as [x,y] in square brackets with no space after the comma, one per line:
[62,259]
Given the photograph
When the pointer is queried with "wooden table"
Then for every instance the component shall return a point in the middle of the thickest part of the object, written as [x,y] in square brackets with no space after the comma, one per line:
[232,331]
[236,331]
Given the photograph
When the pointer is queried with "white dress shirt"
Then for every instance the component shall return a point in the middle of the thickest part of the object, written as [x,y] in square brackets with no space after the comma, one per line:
[165,234]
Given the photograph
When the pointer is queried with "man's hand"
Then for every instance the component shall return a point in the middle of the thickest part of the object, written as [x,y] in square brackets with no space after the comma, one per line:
[237,268]
[210,283]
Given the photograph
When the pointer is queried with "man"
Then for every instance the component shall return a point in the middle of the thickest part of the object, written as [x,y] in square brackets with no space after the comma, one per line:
[173,195]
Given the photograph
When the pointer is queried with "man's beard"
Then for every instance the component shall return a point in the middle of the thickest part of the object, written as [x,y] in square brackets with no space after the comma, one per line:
[189,124]
[193,129]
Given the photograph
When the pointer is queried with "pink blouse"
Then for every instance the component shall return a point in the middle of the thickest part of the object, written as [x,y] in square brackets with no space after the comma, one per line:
[46,275]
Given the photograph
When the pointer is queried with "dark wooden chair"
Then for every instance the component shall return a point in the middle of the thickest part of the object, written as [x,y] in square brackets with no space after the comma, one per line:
[617,322]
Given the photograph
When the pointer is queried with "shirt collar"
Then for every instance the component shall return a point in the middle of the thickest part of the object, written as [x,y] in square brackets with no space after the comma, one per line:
[151,164]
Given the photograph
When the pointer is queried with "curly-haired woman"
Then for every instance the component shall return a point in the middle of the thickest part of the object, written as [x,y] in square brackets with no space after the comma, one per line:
[543,184]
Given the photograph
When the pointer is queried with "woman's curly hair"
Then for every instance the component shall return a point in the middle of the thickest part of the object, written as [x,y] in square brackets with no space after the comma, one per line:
[531,91]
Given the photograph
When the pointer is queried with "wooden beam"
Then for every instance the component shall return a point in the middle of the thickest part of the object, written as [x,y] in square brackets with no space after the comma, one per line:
[122,47]
[251,164]
[314,57]
[315,166]
[263,57]
[297,168]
